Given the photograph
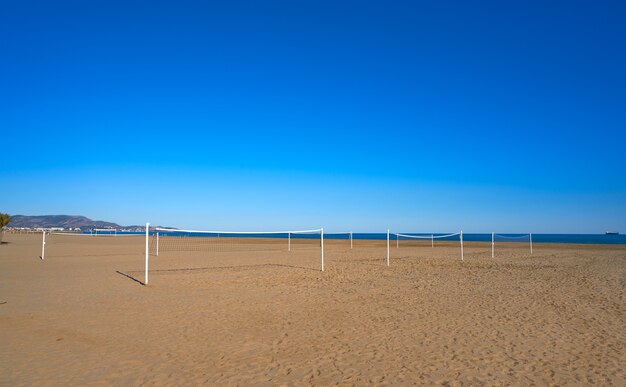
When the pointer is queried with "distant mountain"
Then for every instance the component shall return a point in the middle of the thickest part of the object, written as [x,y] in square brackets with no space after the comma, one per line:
[65,221]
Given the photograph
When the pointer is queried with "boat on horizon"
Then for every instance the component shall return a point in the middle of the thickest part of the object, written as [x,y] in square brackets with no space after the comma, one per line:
[612,233]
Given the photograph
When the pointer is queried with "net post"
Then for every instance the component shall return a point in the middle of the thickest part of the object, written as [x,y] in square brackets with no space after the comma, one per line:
[493,243]
[145,281]
[322,244]
[461,245]
[432,241]
[289,243]
[157,247]
[531,242]
[43,245]
[397,241]
[350,239]
[388,247]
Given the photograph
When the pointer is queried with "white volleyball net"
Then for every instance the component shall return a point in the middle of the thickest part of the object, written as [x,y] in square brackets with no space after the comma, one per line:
[510,242]
[104,232]
[55,244]
[425,245]
[173,250]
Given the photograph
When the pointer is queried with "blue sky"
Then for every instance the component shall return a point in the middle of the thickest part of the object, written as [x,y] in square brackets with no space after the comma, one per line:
[415,116]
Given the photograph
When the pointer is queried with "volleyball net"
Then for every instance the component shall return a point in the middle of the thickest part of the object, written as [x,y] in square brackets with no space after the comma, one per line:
[170,249]
[74,244]
[422,244]
[511,241]
[104,232]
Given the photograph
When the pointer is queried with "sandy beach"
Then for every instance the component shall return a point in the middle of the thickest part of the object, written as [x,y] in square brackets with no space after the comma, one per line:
[270,317]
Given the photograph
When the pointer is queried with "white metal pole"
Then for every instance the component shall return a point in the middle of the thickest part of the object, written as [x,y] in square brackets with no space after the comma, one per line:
[350,239]
[43,246]
[388,247]
[397,241]
[461,245]
[322,243]
[289,236]
[432,241]
[157,252]
[531,243]
[493,243]
[145,281]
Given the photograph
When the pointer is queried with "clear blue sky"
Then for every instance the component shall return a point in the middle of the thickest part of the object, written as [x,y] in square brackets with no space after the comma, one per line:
[417,116]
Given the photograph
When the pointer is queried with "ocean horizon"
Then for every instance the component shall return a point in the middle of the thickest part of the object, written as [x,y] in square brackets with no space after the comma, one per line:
[587,239]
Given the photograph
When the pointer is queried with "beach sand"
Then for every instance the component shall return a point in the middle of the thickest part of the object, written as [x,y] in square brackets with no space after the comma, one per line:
[273,318]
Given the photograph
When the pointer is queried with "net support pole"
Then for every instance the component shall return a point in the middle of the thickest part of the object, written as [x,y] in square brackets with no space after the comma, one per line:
[43,246]
[289,238]
[350,239]
[397,241]
[388,247]
[461,246]
[493,244]
[531,242]
[145,281]
[432,241]
[157,245]
[322,245]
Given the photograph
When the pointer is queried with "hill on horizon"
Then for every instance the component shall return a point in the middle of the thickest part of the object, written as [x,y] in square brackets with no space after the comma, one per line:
[65,221]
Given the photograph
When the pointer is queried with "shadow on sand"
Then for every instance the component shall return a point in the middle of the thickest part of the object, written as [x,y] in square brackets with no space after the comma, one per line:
[246,267]
[131,277]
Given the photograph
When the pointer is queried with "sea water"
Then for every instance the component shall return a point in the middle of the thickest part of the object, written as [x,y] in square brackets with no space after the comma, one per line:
[601,239]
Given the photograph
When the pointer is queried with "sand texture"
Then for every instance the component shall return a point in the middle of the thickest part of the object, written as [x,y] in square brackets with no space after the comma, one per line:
[260,315]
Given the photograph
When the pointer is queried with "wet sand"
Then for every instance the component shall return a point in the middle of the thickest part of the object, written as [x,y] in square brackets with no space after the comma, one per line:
[263,316]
